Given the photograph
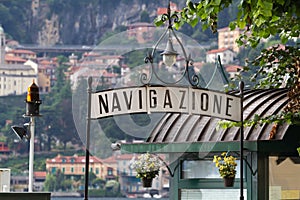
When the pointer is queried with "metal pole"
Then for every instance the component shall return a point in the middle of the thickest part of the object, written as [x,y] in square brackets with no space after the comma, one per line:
[242,143]
[31,154]
[87,153]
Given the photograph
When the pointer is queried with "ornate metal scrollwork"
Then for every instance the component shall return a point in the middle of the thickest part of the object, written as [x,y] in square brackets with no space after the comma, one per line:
[193,79]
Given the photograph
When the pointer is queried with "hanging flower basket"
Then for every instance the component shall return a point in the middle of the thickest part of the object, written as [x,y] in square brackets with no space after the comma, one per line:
[147,167]
[147,182]
[228,181]
[226,165]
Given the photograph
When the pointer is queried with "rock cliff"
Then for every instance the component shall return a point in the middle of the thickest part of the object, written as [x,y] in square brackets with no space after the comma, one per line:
[84,22]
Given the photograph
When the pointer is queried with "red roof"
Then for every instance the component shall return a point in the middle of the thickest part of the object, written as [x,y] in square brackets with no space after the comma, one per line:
[161,11]
[22,51]
[39,174]
[4,147]
[217,50]
[14,59]
[233,68]
[45,62]
[111,159]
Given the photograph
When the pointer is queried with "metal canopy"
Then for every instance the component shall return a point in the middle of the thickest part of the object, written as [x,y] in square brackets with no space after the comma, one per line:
[194,133]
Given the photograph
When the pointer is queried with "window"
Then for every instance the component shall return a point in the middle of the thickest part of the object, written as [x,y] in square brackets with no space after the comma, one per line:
[72,169]
[53,169]
[109,171]
[204,194]
[63,170]
[83,169]
[190,169]
[284,177]
[208,176]
[97,170]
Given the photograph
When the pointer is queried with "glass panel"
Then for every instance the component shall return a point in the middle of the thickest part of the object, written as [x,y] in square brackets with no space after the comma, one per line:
[205,194]
[191,169]
[284,178]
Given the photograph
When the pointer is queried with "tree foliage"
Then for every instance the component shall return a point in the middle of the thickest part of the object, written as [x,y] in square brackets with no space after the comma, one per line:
[259,19]
[57,120]
[9,12]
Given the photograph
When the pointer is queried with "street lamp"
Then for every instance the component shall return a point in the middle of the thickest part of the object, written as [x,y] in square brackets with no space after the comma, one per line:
[169,55]
[32,110]
[21,131]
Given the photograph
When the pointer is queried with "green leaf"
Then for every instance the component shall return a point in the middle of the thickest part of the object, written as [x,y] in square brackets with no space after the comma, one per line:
[259,21]
[205,26]
[177,26]
[281,2]
[232,25]
[275,18]
[191,6]
[216,2]
[265,33]
[158,21]
[194,22]
[284,38]
[241,24]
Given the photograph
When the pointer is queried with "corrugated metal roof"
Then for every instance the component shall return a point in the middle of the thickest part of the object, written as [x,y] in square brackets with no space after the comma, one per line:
[178,128]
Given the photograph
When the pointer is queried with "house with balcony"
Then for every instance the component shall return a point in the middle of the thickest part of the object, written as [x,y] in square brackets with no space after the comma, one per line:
[74,166]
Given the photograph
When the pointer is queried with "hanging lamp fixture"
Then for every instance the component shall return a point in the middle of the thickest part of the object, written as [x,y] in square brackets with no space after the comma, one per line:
[169,55]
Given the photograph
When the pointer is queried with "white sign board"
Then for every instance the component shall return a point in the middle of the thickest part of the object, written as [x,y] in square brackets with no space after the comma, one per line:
[149,99]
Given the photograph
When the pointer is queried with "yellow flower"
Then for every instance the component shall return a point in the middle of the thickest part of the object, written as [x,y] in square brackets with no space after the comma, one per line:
[226,165]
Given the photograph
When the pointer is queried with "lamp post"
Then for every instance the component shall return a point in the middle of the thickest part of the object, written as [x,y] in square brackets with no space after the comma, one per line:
[88,129]
[169,55]
[32,110]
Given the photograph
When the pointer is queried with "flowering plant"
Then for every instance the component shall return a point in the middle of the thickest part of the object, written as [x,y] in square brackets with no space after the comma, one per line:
[146,166]
[226,165]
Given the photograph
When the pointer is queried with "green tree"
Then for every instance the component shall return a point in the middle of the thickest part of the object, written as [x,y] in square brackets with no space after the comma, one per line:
[58,121]
[112,188]
[260,19]
[50,183]
[145,16]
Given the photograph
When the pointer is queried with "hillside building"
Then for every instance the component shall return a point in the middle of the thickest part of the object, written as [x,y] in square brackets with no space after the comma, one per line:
[74,166]
[226,55]
[15,74]
[142,32]
[46,74]
[227,38]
